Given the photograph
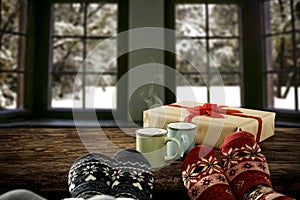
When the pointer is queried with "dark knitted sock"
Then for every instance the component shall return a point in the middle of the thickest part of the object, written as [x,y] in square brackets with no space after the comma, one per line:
[246,167]
[131,177]
[203,176]
[90,175]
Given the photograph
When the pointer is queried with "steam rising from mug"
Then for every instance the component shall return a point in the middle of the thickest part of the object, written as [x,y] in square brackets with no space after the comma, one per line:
[151,75]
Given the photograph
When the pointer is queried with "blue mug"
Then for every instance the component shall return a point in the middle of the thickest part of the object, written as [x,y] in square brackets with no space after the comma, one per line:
[185,133]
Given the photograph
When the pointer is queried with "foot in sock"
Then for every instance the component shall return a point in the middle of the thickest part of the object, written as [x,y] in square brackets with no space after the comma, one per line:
[90,175]
[131,177]
[246,167]
[203,176]
[262,192]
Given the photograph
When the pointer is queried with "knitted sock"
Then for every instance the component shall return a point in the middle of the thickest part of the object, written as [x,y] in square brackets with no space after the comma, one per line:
[90,175]
[203,176]
[131,177]
[243,163]
[262,192]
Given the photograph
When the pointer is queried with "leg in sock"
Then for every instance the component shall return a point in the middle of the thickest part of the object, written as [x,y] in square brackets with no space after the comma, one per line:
[246,167]
[90,175]
[203,176]
[131,177]
[262,192]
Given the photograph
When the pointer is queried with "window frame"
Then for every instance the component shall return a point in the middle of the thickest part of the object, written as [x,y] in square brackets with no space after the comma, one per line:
[253,96]
[19,111]
[37,67]
[285,117]
[253,88]
[171,24]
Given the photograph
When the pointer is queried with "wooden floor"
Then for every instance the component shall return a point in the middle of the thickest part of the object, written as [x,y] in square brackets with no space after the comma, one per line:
[39,159]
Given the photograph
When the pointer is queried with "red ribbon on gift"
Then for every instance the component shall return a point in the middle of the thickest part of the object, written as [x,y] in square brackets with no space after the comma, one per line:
[212,110]
[215,111]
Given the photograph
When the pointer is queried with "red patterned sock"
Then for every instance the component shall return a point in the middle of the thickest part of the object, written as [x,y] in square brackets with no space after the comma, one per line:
[244,164]
[262,192]
[203,176]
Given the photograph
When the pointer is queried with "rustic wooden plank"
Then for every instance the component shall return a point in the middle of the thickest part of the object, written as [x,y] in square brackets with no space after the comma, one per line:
[39,159]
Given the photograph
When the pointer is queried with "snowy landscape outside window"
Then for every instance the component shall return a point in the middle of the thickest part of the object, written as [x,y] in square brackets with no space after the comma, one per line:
[12,53]
[216,28]
[282,39]
[77,29]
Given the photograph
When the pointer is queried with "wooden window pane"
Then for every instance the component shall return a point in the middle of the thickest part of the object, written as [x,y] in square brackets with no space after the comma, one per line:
[297,14]
[67,54]
[280,50]
[298,87]
[187,50]
[229,92]
[207,24]
[102,19]
[298,50]
[225,52]
[78,30]
[63,92]
[278,16]
[100,91]
[283,95]
[218,20]
[281,21]
[190,19]
[13,24]
[102,56]
[13,15]
[11,93]
[191,79]
[9,52]
[231,79]
[68,19]
[186,93]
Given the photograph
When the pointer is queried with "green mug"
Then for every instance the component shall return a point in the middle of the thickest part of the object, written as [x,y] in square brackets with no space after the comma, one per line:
[185,133]
[151,142]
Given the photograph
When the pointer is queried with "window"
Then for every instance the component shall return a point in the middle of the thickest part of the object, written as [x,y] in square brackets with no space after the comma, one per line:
[59,36]
[44,44]
[216,28]
[282,38]
[258,73]
[13,30]
[77,29]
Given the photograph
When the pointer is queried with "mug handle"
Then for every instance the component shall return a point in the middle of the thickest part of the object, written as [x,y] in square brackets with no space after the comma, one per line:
[168,139]
[186,141]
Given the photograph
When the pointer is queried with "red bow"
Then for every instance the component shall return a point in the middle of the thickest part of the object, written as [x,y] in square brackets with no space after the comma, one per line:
[212,110]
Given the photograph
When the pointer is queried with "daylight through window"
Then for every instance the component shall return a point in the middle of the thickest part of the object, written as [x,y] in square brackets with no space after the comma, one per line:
[216,28]
[12,53]
[282,39]
[77,30]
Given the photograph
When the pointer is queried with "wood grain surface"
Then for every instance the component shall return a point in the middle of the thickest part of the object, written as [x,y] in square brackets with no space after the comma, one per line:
[39,159]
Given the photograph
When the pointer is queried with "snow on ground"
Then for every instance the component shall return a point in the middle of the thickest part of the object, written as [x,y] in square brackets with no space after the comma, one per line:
[230,96]
[95,98]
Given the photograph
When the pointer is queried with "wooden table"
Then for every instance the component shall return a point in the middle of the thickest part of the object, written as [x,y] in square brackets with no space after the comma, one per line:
[39,159]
